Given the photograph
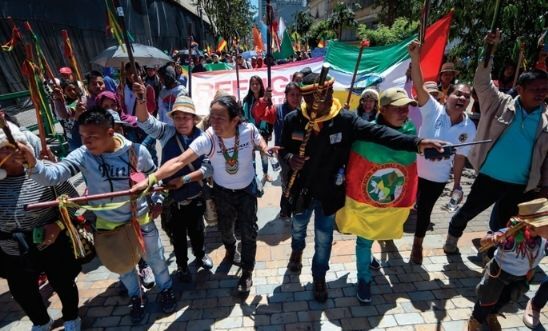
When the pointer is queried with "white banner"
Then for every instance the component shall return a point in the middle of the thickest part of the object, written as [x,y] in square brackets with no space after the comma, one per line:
[206,84]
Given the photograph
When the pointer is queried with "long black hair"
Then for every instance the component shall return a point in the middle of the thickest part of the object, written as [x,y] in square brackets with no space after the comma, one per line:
[250,94]
[230,103]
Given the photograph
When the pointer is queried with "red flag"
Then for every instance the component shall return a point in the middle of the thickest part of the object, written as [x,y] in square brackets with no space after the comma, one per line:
[434,46]
[257,39]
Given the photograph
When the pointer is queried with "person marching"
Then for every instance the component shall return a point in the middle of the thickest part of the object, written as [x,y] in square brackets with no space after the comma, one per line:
[187,205]
[229,144]
[319,186]
[378,210]
[449,123]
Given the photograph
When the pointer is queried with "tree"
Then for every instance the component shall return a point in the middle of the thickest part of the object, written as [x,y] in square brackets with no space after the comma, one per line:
[320,30]
[392,9]
[471,21]
[228,19]
[342,16]
[301,25]
[385,35]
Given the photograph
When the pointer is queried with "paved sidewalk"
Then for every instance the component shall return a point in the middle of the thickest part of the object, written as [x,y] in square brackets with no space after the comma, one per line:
[437,296]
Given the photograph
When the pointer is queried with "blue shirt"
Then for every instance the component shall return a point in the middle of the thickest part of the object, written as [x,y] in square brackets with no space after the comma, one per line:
[510,158]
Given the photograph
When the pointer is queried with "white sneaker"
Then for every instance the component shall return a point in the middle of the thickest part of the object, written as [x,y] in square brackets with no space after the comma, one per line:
[74,325]
[147,277]
[43,327]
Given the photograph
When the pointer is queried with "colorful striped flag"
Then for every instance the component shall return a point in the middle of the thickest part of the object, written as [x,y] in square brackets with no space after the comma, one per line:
[380,190]
[221,44]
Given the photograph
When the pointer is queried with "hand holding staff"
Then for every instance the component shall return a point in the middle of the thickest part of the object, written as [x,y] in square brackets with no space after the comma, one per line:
[363,44]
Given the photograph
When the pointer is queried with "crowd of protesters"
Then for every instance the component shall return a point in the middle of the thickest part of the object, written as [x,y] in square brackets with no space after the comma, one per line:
[113,129]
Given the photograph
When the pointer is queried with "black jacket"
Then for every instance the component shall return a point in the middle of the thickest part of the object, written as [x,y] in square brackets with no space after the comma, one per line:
[329,151]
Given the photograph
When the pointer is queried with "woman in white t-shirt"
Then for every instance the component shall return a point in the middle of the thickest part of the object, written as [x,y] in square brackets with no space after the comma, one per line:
[448,123]
[229,144]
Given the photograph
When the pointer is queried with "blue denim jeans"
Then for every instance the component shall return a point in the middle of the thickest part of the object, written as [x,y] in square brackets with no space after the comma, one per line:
[323,236]
[154,256]
[363,258]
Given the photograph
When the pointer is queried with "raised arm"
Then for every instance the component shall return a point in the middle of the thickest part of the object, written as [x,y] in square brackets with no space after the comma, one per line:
[416,73]
[141,110]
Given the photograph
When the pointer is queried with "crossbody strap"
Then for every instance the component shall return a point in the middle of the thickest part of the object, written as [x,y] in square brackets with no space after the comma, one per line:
[189,165]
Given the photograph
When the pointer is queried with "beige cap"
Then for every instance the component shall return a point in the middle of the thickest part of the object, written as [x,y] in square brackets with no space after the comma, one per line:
[183,104]
[396,96]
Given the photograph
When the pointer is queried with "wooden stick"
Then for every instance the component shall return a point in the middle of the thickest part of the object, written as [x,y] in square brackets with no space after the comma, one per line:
[363,44]
[490,49]
[190,59]
[424,21]
[518,65]
[318,99]
[269,44]
[86,198]
[237,70]
[509,233]
[28,66]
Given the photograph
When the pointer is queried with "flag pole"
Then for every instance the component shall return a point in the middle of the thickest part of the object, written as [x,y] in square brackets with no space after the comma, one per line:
[490,49]
[520,60]
[269,43]
[236,43]
[424,21]
[190,59]
[129,47]
[363,44]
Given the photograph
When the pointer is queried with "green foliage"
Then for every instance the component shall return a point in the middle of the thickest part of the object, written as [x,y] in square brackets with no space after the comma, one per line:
[342,16]
[319,30]
[385,35]
[471,21]
[228,19]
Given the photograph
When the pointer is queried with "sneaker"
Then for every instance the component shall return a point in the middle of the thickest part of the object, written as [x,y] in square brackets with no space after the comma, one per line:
[364,291]
[147,277]
[73,325]
[375,264]
[137,312]
[184,274]
[245,282]
[167,301]
[205,262]
[43,327]
[295,262]
[531,316]
[320,289]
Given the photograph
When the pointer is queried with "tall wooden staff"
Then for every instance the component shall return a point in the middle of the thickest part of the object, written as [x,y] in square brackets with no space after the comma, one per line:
[489,48]
[319,98]
[520,60]
[129,47]
[69,54]
[363,44]
[190,59]
[236,45]
[424,21]
[30,70]
[269,43]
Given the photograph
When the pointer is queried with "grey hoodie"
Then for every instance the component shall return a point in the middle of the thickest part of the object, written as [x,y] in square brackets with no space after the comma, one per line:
[108,172]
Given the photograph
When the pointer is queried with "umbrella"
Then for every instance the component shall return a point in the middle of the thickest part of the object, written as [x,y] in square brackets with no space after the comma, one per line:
[144,55]
[248,54]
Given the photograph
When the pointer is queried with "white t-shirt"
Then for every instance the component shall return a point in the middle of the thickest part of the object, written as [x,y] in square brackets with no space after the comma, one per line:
[436,124]
[208,144]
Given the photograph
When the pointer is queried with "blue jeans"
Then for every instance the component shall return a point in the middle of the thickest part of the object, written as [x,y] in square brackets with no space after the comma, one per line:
[323,236]
[154,256]
[363,258]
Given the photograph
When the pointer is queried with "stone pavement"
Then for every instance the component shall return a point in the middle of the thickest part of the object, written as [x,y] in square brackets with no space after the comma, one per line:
[437,296]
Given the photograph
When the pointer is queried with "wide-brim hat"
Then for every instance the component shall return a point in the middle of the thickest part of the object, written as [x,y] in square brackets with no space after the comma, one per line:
[431,87]
[183,104]
[397,97]
[370,93]
[449,67]
[534,212]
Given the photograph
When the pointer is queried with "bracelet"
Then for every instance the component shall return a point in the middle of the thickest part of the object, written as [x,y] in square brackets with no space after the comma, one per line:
[152,180]
[60,225]
[186,179]
[143,101]
[418,146]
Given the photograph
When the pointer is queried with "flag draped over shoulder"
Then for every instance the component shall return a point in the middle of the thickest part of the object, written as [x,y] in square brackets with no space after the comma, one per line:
[380,190]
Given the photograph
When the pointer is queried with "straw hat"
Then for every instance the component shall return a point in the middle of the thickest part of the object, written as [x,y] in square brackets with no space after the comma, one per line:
[449,66]
[534,212]
[183,104]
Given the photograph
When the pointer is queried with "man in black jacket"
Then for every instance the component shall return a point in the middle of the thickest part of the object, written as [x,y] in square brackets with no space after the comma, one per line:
[319,184]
